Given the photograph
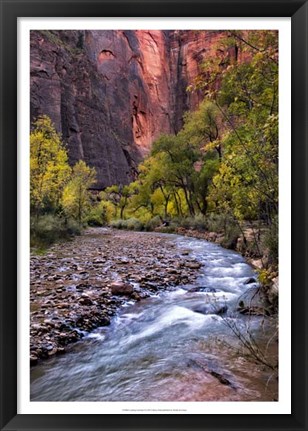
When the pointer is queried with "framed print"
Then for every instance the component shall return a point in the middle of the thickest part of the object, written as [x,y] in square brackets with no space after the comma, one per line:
[155,196]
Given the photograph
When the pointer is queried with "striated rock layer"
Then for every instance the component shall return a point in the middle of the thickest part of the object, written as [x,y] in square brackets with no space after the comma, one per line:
[111,93]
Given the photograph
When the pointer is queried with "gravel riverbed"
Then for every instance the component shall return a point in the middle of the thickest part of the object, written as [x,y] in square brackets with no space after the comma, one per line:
[77,286]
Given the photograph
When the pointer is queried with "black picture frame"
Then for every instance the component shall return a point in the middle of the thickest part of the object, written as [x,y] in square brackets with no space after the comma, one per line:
[10,11]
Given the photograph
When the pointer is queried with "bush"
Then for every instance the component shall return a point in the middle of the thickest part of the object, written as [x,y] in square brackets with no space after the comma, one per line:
[94,220]
[216,222]
[196,223]
[169,227]
[134,224]
[49,228]
[117,224]
[129,224]
[97,216]
[252,249]
[153,223]
[231,236]
[72,227]
[270,242]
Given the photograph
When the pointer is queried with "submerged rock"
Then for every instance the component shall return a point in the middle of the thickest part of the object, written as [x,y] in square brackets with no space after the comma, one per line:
[250,280]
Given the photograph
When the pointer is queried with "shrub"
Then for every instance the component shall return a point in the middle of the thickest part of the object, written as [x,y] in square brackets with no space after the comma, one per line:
[270,242]
[171,228]
[129,224]
[97,215]
[216,222]
[94,220]
[134,224]
[49,228]
[264,277]
[252,249]
[230,241]
[232,233]
[153,223]
[117,224]
[72,227]
[196,223]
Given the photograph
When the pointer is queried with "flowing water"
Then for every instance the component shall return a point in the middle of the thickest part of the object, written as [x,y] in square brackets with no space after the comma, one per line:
[174,346]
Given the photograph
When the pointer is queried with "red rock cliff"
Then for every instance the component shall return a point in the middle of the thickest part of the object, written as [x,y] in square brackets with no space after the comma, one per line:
[111,93]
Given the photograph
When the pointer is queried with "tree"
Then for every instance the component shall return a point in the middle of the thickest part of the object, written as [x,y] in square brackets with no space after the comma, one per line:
[180,158]
[225,158]
[76,199]
[118,196]
[203,128]
[49,168]
[245,98]
[155,188]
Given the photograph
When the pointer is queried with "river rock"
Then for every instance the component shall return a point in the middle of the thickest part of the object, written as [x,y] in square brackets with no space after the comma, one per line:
[85,300]
[210,309]
[193,265]
[73,286]
[253,296]
[222,310]
[121,288]
[202,289]
[250,280]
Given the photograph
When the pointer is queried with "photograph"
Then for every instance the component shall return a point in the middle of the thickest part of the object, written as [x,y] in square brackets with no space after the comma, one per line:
[153,207]
[154,215]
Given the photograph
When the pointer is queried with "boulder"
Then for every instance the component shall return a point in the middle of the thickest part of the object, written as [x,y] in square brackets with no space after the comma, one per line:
[202,289]
[121,288]
[210,309]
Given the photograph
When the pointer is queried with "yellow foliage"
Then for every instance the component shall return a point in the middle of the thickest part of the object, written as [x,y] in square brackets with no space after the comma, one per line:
[49,168]
[76,197]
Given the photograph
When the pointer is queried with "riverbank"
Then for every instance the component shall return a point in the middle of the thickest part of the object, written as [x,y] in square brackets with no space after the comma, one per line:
[78,285]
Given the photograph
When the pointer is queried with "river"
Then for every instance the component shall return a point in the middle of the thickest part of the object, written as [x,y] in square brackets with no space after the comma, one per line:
[174,346]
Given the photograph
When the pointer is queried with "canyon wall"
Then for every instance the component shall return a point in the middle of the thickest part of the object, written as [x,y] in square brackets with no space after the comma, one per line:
[111,93]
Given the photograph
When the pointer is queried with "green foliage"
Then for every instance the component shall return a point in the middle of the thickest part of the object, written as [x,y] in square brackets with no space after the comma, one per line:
[76,199]
[49,228]
[117,224]
[129,224]
[219,172]
[196,223]
[170,228]
[271,242]
[118,196]
[58,193]
[153,223]
[134,224]
[98,215]
[232,233]
[216,222]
